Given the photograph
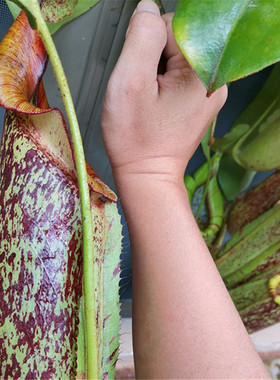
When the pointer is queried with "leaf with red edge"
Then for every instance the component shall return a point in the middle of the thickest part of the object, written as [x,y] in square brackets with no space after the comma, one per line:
[41,229]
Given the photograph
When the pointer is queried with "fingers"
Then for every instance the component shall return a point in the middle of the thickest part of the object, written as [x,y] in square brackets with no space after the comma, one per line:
[145,41]
[171,48]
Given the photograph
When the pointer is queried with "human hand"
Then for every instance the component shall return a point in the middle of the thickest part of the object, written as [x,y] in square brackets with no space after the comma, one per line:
[153,123]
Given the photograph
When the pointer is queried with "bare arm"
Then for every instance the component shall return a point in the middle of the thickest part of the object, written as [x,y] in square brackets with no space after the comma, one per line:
[184,322]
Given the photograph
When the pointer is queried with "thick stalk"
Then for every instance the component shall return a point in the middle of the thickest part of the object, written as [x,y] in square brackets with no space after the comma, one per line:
[88,268]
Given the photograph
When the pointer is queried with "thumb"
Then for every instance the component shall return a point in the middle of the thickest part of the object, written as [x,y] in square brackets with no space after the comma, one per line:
[145,40]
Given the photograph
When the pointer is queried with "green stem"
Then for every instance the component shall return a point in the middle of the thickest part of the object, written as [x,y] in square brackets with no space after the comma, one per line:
[221,235]
[88,259]
[212,131]
[205,191]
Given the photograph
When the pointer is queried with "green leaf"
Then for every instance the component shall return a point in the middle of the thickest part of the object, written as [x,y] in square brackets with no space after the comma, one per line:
[259,148]
[267,100]
[14,9]
[23,4]
[227,40]
[233,179]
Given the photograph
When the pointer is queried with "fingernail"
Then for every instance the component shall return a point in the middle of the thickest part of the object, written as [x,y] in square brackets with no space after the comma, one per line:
[147,6]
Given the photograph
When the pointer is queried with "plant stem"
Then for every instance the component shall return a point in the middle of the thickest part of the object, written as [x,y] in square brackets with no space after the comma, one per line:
[205,191]
[221,235]
[88,254]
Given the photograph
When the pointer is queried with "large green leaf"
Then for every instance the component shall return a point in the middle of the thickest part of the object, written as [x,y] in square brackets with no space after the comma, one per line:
[226,40]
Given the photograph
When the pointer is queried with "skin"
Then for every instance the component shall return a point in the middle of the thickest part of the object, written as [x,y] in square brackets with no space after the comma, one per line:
[184,322]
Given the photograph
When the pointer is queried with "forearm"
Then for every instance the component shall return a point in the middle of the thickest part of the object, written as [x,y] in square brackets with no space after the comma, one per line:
[180,305]
[184,323]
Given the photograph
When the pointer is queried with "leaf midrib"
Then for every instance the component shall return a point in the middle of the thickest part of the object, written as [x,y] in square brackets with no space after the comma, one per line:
[213,76]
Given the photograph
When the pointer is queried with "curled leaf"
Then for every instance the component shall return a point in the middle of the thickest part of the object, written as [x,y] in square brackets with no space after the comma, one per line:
[19,77]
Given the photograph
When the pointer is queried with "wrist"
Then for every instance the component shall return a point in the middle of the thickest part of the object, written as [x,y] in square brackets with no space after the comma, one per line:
[149,172]
[142,193]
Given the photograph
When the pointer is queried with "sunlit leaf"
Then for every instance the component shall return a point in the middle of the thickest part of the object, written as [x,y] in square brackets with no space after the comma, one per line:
[221,39]
[41,229]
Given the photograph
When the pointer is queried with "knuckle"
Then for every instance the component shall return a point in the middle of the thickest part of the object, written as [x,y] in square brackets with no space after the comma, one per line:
[136,87]
[128,86]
